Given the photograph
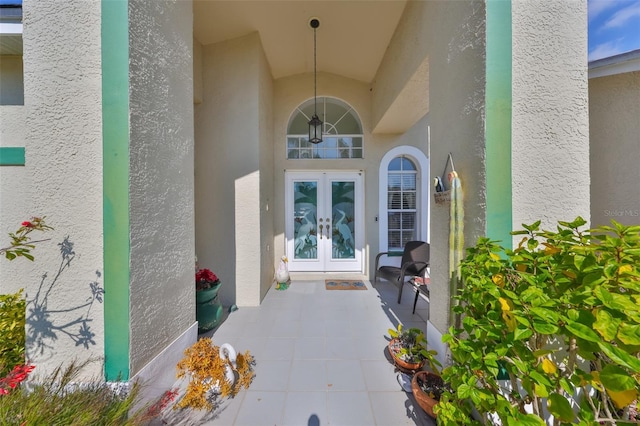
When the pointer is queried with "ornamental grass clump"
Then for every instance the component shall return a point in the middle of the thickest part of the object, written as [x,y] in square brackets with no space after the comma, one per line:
[58,400]
[206,370]
[558,318]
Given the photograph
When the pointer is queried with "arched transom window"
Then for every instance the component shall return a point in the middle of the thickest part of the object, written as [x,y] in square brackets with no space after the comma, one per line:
[341,131]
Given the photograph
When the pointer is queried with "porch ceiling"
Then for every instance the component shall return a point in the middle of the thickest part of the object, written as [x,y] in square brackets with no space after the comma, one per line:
[352,37]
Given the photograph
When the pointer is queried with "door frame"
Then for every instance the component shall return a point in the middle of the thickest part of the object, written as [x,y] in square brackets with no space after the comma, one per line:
[325,263]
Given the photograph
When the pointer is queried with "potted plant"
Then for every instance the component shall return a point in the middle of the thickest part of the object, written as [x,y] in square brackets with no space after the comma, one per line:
[208,307]
[427,388]
[408,348]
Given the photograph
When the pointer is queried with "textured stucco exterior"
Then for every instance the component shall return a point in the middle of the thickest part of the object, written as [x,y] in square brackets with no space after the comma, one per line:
[455,49]
[63,143]
[550,121]
[265,149]
[229,152]
[400,95]
[161,198]
[614,132]
[14,187]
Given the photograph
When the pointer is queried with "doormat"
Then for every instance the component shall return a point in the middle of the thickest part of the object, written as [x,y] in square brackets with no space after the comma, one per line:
[344,285]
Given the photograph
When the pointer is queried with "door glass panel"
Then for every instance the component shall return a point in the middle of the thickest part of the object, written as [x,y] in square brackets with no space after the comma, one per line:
[342,214]
[305,208]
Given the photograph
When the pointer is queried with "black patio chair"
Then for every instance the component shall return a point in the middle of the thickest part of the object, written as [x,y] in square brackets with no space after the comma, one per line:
[415,259]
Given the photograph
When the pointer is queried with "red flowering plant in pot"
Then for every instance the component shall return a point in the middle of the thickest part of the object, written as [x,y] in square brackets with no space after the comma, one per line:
[205,279]
[208,306]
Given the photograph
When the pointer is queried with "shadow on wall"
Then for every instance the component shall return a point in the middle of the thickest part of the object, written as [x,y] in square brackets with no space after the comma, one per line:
[42,328]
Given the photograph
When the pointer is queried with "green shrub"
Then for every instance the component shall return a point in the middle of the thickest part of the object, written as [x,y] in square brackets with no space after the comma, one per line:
[559,316]
[12,323]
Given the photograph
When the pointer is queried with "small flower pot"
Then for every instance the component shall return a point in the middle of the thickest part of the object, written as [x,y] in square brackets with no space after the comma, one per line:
[425,401]
[407,367]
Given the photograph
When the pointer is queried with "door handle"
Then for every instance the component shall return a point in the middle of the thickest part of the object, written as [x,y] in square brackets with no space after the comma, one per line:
[328,228]
[320,230]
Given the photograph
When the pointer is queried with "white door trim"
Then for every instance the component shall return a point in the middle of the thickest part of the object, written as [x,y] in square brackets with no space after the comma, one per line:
[325,262]
[422,162]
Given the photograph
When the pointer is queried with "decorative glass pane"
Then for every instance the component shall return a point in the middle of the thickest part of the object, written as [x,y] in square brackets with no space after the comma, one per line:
[293,153]
[394,240]
[305,153]
[409,182]
[344,153]
[409,200]
[395,164]
[293,142]
[393,182]
[343,229]
[401,202]
[406,237]
[338,119]
[299,125]
[408,221]
[305,216]
[330,153]
[407,164]
[393,201]
[394,221]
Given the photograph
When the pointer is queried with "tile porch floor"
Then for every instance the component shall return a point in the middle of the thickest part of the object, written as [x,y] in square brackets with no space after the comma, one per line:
[320,358]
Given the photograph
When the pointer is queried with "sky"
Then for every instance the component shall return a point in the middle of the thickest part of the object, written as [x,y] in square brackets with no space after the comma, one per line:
[614,27]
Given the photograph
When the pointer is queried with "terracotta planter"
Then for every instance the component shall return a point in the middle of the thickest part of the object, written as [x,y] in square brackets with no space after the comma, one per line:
[208,308]
[424,401]
[407,367]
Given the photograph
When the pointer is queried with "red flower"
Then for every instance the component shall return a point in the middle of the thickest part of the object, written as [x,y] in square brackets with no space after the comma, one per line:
[15,377]
[205,279]
[27,224]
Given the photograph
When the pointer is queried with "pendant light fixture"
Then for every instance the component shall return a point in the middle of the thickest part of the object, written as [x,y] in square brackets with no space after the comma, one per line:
[315,124]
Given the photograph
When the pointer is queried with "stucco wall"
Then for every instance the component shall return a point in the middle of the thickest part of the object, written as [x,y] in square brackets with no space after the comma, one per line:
[227,125]
[614,132]
[197,72]
[402,77]
[63,121]
[11,81]
[162,300]
[454,32]
[14,187]
[550,137]
[265,145]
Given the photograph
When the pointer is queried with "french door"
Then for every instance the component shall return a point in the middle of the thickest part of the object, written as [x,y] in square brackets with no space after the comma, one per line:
[324,221]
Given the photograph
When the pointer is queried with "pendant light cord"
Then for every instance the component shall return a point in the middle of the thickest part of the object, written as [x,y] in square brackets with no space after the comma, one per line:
[315,78]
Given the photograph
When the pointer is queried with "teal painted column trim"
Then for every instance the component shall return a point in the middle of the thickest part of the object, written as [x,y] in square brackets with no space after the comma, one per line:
[115,150]
[498,121]
[11,156]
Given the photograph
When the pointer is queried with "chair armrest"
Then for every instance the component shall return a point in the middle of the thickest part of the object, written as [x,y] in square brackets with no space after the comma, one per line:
[378,258]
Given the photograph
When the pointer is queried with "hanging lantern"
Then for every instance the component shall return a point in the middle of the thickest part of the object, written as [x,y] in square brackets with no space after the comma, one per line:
[315,124]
